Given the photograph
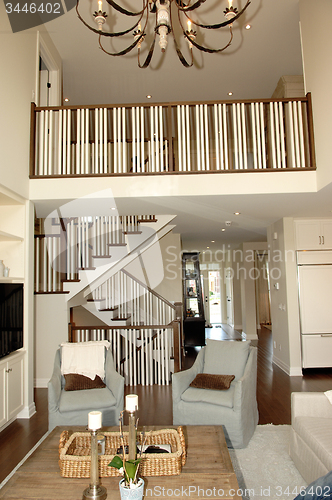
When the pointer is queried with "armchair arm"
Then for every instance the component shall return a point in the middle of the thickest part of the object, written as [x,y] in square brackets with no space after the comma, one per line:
[310,404]
[245,387]
[54,386]
[182,380]
[113,379]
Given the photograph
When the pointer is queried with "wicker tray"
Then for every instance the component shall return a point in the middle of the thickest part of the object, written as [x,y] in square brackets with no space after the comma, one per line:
[74,453]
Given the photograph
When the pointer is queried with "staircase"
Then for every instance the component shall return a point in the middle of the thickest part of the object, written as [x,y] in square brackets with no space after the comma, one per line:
[86,260]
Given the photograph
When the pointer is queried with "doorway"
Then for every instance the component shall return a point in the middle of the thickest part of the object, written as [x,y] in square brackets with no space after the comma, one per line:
[214,298]
[263,297]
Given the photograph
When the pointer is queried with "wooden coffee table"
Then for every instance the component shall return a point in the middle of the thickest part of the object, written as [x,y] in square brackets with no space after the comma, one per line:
[207,474]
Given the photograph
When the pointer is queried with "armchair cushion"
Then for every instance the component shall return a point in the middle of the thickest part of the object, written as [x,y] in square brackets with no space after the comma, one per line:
[229,358]
[77,382]
[94,399]
[215,382]
[222,398]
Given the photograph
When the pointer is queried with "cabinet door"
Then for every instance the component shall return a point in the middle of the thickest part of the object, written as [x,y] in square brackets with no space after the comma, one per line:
[316,351]
[15,387]
[3,394]
[308,235]
[327,233]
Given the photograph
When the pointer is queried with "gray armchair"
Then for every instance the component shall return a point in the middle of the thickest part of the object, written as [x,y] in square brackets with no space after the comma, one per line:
[72,407]
[235,408]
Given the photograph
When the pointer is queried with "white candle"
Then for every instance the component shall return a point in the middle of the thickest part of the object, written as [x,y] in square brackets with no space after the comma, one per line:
[189,25]
[131,402]
[100,5]
[230,3]
[94,420]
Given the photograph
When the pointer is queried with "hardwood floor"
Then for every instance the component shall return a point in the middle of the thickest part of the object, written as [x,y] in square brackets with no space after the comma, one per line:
[274,388]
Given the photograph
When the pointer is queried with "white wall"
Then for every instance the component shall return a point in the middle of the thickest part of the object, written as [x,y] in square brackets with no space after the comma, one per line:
[315,22]
[248,288]
[284,297]
[17,84]
[51,329]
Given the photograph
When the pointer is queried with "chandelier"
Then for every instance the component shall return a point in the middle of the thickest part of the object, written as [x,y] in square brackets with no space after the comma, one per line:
[164,12]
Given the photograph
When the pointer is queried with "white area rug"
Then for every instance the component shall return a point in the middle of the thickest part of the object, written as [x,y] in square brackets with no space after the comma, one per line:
[264,469]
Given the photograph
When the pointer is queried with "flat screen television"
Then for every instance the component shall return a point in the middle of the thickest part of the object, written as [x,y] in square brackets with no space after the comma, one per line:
[11,317]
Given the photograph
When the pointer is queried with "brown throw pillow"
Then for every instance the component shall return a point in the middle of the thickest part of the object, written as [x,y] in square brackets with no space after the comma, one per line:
[76,382]
[209,381]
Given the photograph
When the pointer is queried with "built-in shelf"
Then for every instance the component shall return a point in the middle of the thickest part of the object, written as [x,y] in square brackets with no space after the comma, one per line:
[10,279]
[9,237]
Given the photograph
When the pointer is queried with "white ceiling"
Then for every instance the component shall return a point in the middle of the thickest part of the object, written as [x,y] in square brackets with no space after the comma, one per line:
[250,69]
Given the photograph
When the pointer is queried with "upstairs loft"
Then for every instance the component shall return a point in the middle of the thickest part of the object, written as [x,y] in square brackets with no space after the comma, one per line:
[176,139]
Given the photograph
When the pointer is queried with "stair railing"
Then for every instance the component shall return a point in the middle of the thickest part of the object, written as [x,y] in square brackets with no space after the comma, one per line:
[143,355]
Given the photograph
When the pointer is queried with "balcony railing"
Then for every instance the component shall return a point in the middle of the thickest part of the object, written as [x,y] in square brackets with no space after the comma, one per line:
[224,136]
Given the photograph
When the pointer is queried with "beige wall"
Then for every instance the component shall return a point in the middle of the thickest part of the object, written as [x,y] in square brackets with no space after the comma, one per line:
[315,22]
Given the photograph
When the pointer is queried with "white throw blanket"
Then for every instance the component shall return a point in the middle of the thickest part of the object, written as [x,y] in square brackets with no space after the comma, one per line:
[84,358]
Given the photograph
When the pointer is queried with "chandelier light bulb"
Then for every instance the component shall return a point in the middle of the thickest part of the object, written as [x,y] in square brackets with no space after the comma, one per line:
[100,5]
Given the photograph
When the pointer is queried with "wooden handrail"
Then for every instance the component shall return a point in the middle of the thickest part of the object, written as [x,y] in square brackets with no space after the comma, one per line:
[169,104]
[153,292]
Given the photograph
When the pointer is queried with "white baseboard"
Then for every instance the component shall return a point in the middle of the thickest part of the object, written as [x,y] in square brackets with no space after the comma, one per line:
[294,371]
[27,411]
[41,383]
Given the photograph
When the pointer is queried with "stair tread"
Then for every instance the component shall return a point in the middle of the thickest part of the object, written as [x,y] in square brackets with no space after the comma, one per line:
[132,232]
[86,268]
[121,319]
[108,310]
[95,300]
[70,281]
[101,256]
[117,244]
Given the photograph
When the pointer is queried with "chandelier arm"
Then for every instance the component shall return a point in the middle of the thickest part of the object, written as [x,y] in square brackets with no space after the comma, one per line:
[188,7]
[120,33]
[219,25]
[177,48]
[122,52]
[148,57]
[201,47]
[124,11]
[206,49]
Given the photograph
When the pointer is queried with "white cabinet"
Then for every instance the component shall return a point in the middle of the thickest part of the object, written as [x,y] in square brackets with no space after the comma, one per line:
[313,234]
[12,386]
[316,350]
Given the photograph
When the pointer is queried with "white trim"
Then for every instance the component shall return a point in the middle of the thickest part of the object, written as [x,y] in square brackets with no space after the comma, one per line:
[294,371]
[27,411]
[54,72]
[41,383]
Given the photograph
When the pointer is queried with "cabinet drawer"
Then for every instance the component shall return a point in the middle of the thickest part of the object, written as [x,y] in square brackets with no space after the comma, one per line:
[317,351]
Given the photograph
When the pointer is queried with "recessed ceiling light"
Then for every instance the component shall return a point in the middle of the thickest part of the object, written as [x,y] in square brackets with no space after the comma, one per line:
[66,99]
[230,93]
[212,241]
[237,213]
[248,26]
[207,247]
[223,229]
[148,96]
[113,208]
